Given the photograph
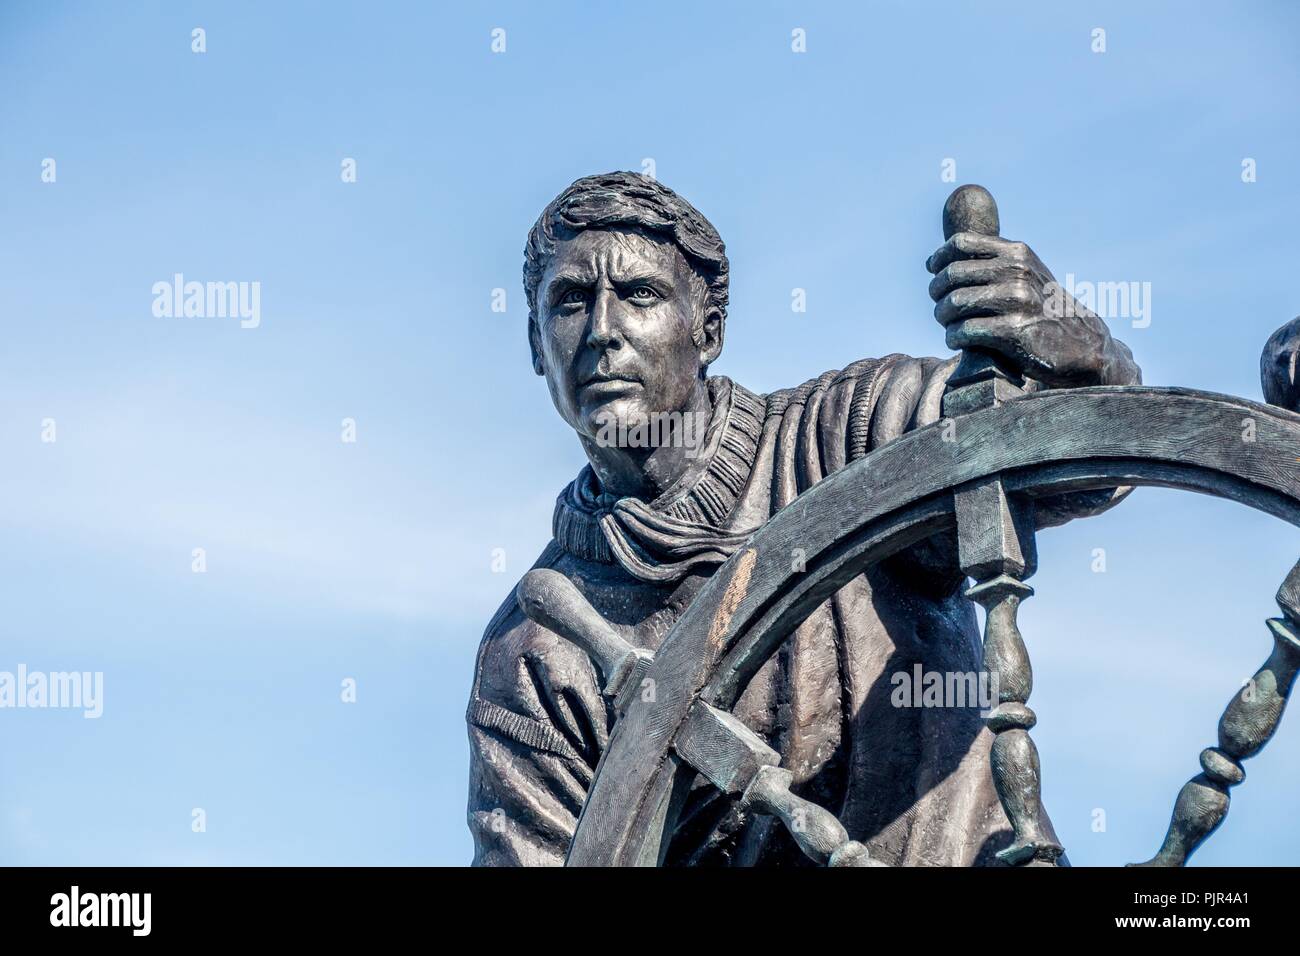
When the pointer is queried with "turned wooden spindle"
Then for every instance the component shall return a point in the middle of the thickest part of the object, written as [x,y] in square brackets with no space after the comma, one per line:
[815,829]
[996,548]
[1248,723]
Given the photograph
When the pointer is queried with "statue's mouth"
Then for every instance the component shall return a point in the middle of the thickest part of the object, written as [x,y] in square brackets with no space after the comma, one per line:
[602,381]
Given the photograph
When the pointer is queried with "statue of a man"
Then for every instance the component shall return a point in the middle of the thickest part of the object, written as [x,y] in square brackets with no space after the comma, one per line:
[627,296]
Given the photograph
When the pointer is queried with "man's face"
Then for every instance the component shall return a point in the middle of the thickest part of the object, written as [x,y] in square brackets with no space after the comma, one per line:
[614,315]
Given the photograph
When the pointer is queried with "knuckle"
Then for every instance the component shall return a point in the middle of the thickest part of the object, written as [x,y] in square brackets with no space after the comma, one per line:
[960,298]
[1022,291]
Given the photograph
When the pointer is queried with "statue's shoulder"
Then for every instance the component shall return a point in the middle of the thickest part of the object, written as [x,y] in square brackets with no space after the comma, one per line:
[510,633]
[839,379]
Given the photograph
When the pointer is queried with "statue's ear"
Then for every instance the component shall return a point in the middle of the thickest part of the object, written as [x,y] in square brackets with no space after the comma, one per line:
[709,337]
[534,346]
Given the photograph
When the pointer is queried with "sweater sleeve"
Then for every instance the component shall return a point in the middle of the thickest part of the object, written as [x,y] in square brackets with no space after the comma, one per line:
[537,727]
[906,394]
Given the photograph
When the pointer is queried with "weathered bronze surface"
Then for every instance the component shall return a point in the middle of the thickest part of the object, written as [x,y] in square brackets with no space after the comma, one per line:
[698,670]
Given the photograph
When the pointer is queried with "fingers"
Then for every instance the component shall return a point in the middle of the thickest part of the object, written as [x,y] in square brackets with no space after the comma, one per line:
[972,272]
[966,245]
[993,333]
[1004,300]
[1002,335]
[1019,339]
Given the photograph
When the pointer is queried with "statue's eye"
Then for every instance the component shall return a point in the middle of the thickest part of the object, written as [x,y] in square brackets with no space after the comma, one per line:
[644,293]
[574,297]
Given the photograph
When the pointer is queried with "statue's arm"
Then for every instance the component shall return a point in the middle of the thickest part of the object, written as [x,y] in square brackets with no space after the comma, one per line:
[909,395]
[537,726]
[910,390]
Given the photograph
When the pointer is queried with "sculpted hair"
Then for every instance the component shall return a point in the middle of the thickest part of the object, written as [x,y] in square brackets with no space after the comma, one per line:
[628,201]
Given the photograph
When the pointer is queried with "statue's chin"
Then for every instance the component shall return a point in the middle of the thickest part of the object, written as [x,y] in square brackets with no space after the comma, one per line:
[622,423]
[612,411]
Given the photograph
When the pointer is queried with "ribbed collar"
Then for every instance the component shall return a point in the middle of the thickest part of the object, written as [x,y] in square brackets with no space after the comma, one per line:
[702,498]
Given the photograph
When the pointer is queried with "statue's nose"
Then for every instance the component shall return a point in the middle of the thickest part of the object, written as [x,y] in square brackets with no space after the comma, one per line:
[603,332]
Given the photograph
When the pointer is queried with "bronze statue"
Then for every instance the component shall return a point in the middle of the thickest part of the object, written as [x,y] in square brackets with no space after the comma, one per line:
[627,292]
[698,669]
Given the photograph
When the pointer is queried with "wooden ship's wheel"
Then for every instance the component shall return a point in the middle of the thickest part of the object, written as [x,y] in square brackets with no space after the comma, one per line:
[1014,447]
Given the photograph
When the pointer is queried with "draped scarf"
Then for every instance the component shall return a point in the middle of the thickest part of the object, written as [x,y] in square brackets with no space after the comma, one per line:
[686,527]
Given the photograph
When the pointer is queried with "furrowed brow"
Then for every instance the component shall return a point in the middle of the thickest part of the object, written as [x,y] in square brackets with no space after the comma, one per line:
[573,277]
[642,275]
[567,279]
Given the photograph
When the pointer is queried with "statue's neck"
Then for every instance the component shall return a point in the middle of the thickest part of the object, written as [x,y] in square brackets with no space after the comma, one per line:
[646,473]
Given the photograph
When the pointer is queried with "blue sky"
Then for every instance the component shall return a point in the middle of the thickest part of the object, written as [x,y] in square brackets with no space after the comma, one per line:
[372,560]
